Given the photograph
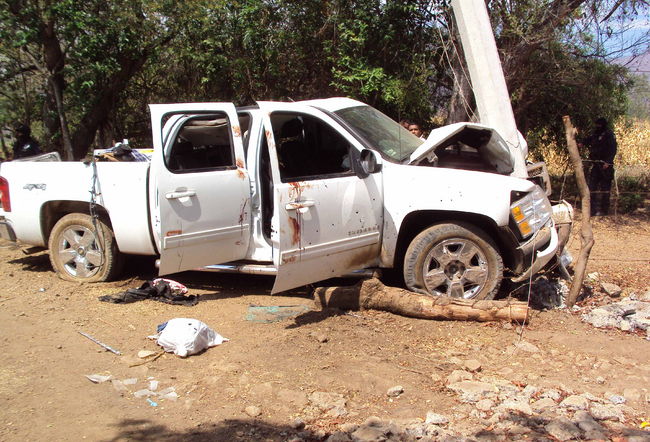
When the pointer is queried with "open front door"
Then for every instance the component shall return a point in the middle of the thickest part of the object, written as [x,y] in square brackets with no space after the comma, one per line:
[326,220]
[200,186]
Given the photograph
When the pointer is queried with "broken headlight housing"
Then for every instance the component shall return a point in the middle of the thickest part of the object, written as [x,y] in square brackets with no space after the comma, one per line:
[530,212]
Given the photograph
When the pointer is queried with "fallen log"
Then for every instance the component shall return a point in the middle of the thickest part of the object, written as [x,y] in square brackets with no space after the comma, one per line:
[371,294]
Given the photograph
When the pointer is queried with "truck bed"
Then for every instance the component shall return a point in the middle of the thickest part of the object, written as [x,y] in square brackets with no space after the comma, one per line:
[36,187]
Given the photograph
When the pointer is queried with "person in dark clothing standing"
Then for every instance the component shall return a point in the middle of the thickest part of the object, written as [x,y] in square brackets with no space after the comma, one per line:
[602,150]
[25,145]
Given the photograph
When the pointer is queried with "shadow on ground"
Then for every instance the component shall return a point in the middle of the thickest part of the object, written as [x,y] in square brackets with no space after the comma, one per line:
[34,263]
[515,426]
[229,429]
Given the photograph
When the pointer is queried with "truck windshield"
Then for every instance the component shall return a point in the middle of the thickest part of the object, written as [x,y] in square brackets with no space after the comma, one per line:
[381,132]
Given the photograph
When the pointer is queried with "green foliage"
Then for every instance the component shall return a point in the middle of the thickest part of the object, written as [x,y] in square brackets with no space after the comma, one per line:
[639,97]
[118,56]
[557,83]
[633,191]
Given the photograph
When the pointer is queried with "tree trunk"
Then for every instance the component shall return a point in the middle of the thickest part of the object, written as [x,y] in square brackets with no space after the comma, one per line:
[67,143]
[56,129]
[105,102]
[372,294]
[586,234]
[5,151]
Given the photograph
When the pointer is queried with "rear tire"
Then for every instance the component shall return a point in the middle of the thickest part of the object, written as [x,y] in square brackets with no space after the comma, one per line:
[83,252]
[456,260]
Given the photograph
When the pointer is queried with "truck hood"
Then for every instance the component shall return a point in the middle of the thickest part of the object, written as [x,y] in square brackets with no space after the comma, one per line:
[490,145]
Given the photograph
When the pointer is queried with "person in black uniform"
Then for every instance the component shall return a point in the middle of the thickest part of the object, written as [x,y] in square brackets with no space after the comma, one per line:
[602,150]
[25,145]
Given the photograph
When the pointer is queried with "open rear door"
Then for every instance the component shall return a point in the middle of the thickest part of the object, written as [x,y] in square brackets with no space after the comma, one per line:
[200,187]
[326,220]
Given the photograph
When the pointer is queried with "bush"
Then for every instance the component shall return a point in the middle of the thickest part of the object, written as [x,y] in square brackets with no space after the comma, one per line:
[632,163]
[633,189]
[632,192]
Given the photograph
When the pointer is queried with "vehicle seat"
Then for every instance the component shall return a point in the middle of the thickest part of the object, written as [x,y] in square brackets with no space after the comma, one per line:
[185,157]
[292,154]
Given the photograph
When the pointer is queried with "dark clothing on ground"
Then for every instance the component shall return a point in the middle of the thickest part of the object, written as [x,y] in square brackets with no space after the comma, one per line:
[159,291]
[26,147]
[602,150]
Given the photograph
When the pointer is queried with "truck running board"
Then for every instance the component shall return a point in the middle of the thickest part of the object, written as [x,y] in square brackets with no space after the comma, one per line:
[262,269]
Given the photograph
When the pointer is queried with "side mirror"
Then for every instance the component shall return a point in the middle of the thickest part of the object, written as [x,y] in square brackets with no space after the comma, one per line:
[368,162]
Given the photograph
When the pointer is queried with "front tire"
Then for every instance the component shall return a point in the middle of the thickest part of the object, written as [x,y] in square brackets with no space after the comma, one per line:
[83,252]
[455,260]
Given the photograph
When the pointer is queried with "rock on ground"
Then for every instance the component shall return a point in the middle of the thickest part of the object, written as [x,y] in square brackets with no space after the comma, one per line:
[606,412]
[473,391]
[611,289]
[395,391]
[562,429]
[253,411]
[575,402]
[331,403]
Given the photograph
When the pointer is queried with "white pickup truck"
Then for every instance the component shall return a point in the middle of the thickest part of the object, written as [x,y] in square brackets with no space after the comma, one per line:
[304,191]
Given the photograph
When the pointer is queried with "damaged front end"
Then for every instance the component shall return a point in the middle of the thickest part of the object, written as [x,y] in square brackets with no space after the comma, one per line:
[538,231]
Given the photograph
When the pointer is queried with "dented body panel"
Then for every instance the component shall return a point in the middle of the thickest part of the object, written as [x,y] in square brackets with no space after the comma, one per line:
[326,225]
[422,189]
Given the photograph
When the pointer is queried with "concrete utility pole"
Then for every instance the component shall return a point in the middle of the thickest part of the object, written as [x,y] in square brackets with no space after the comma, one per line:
[486,75]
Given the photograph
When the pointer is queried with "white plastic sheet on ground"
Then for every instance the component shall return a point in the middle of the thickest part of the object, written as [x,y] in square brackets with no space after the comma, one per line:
[184,337]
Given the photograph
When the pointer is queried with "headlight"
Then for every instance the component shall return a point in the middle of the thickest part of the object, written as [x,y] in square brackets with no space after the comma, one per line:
[531,212]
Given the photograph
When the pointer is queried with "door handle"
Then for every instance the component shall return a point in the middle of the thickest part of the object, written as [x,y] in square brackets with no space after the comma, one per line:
[177,195]
[300,206]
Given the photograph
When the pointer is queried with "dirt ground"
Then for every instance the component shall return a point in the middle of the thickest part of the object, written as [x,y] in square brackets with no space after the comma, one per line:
[276,366]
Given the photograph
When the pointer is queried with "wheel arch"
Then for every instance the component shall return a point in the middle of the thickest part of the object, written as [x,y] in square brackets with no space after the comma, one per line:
[416,222]
[53,211]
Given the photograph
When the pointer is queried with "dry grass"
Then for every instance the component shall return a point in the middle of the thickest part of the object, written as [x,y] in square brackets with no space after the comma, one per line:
[633,138]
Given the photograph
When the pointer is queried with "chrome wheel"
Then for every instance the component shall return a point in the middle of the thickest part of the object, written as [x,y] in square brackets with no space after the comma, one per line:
[455,267]
[78,251]
[456,260]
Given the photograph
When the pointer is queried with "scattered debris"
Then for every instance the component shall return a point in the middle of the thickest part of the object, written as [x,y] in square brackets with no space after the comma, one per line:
[119,385]
[274,313]
[101,344]
[145,392]
[163,290]
[98,378]
[185,336]
[544,293]
[146,361]
[627,315]
[395,391]
[593,276]
[176,287]
[168,393]
[611,289]
[152,403]
[143,354]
